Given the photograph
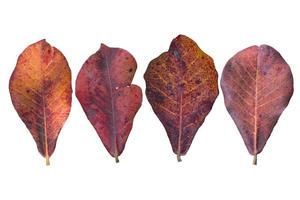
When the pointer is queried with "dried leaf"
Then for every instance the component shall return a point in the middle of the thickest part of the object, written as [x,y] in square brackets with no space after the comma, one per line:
[257,85]
[40,89]
[109,100]
[181,86]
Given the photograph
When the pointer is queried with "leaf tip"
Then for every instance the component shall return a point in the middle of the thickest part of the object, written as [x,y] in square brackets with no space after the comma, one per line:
[43,41]
[103,46]
[181,36]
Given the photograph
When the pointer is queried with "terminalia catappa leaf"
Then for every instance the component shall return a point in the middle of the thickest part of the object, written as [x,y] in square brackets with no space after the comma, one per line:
[181,86]
[257,85]
[40,89]
[109,100]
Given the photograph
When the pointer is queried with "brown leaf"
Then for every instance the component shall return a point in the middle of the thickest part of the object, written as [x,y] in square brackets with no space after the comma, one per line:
[257,85]
[181,86]
[109,100]
[40,89]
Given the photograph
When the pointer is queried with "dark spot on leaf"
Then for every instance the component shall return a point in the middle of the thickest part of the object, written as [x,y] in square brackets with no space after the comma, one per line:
[39,99]
[169,87]
[169,124]
[265,73]
[159,98]
[130,70]
[47,84]
[186,131]
[101,63]
[181,86]
[125,120]
[40,130]
[91,112]
[205,106]
[29,124]
[198,81]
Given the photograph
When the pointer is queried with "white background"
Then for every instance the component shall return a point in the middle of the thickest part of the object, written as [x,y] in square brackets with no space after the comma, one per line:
[217,165]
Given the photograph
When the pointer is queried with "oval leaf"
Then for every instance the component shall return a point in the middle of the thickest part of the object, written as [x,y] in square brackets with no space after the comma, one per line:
[109,100]
[181,86]
[257,85]
[40,89]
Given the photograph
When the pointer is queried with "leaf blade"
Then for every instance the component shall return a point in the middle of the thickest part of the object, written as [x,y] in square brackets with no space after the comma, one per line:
[31,89]
[181,86]
[272,81]
[109,100]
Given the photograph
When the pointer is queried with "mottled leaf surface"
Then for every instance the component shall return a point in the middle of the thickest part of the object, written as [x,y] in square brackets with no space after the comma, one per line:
[109,100]
[257,85]
[40,89]
[181,86]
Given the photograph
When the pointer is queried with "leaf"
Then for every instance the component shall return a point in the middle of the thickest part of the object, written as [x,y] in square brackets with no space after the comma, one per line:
[257,85]
[181,86]
[109,100]
[40,89]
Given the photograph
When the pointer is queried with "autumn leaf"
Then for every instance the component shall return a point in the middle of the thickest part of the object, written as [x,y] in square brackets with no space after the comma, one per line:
[181,86]
[109,100]
[40,89]
[257,85]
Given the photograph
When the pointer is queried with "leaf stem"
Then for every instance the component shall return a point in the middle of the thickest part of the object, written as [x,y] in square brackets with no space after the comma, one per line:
[117,158]
[47,160]
[255,159]
[179,158]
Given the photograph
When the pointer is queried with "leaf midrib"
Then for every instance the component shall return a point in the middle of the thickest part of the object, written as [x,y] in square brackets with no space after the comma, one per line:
[255,110]
[177,57]
[114,142]
[44,107]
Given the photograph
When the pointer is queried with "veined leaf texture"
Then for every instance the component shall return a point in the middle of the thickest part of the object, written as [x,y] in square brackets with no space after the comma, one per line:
[40,89]
[109,100]
[257,85]
[181,86]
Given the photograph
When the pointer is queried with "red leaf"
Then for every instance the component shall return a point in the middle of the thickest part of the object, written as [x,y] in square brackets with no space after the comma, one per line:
[105,92]
[257,85]
[41,92]
[181,86]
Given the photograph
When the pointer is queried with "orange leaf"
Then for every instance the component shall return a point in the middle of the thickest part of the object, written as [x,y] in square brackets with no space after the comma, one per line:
[41,92]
